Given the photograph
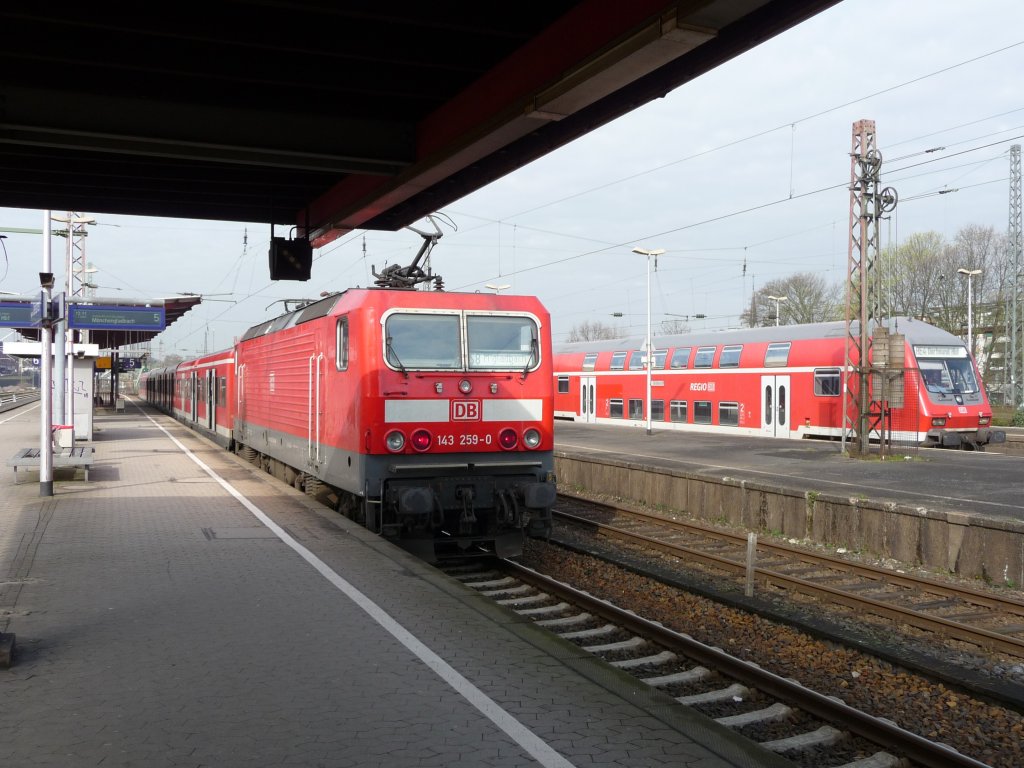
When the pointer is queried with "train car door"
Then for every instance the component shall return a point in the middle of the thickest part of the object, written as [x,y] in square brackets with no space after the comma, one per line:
[775,401]
[588,399]
[194,396]
[315,409]
[211,399]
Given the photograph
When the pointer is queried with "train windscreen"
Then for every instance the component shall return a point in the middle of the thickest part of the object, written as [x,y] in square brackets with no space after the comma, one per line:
[946,370]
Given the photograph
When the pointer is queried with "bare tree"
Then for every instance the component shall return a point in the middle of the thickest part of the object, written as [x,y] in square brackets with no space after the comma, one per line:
[809,298]
[675,325]
[592,331]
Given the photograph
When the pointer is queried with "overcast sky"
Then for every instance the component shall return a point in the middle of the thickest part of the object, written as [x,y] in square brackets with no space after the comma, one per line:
[748,166]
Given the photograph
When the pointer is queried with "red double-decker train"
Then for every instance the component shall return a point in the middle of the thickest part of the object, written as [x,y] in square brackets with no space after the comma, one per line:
[787,381]
[425,415]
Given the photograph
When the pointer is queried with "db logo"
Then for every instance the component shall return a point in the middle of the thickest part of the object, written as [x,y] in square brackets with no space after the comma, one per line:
[465,410]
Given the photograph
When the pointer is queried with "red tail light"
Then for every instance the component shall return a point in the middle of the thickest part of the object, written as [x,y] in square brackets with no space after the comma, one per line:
[508,439]
[420,440]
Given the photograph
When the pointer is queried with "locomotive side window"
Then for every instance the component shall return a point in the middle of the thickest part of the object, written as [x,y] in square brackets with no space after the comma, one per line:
[701,411]
[729,414]
[730,356]
[777,355]
[677,411]
[618,361]
[636,408]
[826,382]
[589,361]
[563,385]
[508,343]
[615,408]
[703,359]
[657,410]
[680,358]
[423,341]
[341,356]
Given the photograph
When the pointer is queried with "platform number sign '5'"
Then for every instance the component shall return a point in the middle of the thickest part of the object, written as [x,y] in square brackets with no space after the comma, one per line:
[465,410]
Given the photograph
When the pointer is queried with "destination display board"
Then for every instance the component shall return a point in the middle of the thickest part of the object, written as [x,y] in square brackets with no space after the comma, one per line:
[116,318]
[18,314]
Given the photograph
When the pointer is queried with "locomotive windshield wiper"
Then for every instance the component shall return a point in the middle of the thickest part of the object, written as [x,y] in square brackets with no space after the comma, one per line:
[534,353]
[393,357]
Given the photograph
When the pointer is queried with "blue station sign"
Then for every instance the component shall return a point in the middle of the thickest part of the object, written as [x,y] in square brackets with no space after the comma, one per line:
[116,318]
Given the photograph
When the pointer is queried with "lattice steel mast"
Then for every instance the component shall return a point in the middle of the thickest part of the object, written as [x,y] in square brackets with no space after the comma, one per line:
[1015,364]
[867,204]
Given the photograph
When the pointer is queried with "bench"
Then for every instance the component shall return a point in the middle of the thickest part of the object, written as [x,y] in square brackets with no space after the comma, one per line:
[62,457]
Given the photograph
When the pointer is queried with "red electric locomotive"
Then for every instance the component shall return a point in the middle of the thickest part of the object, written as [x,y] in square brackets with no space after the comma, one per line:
[427,414]
[786,381]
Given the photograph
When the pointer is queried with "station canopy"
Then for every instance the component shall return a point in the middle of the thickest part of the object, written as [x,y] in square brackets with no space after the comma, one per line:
[331,116]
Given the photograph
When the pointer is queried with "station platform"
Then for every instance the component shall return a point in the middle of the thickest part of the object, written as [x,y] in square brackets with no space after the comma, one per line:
[183,608]
[959,511]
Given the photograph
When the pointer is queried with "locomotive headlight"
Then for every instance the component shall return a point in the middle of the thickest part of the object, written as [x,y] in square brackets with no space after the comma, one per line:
[939,422]
[395,441]
[421,439]
[983,420]
[507,439]
[465,386]
[531,438]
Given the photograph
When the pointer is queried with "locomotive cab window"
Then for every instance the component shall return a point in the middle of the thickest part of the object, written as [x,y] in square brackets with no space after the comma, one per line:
[777,355]
[730,357]
[946,370]
[704,358]
[423,341]
[502,343]
[341,357]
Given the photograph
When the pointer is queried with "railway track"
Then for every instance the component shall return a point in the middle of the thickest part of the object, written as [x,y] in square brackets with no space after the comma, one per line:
[783,716]
[989,621]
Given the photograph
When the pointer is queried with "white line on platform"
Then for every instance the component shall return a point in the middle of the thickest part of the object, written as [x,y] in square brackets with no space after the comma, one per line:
[523,736]
[20,413]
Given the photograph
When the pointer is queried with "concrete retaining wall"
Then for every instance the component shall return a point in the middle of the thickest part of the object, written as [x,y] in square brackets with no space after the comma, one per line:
[967,545]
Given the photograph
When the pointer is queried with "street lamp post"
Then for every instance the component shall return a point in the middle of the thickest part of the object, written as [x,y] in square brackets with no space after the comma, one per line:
[778,300]
[648,352]
[970,309]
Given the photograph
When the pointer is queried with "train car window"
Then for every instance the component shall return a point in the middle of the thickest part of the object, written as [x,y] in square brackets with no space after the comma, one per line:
[636,408]
[659,358]
[827,382]
[422,341]
[222,391]
[782,405]
[769,406]
[729,414]
[589,361]
[618,361]
[777,354]
[730,357]
[680,358]
[341,353]
[677,411]
[636,360]
[502,343]
[703,359]
[563,385]
[615,408]
[657,410]
[701,411]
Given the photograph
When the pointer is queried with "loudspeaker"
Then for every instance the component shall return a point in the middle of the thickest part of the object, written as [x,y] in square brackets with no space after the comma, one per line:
[290,259]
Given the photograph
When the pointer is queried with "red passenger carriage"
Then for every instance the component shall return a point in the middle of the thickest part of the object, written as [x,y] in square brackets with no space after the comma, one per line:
[786,381]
